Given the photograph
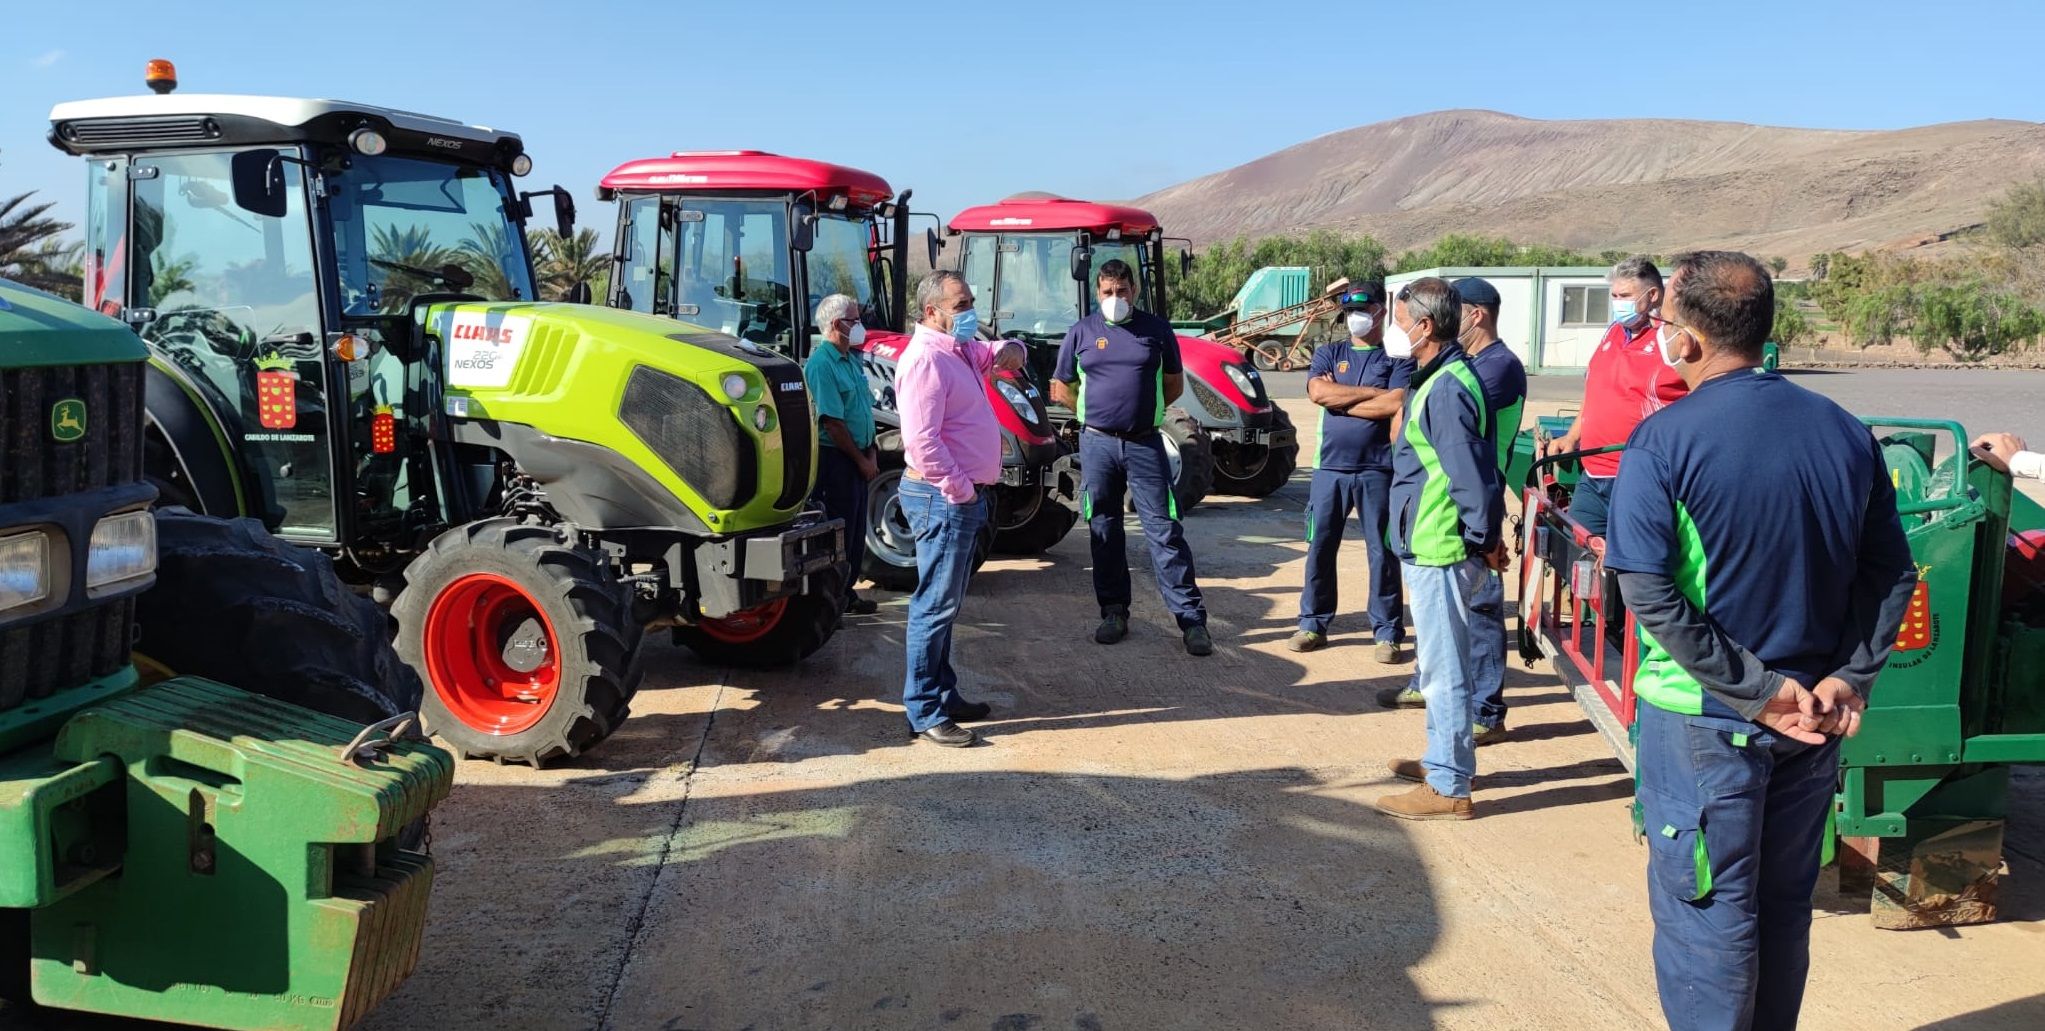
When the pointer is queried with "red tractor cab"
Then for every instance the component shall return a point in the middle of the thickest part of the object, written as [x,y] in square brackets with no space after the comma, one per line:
[748,243]
[1032,261]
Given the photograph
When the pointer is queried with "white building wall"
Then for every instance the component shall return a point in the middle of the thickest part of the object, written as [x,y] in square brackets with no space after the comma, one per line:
[1567,346]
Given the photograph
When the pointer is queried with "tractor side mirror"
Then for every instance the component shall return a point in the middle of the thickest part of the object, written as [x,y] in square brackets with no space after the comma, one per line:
[802,228]
[579,293]
[1082,262]
[258,180]
[564,212]
[932,244]
[1185,262]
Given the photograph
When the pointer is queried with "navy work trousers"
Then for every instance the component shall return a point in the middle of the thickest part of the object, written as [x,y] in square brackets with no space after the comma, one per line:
[1735,824]
[1330,499]
[1109,467]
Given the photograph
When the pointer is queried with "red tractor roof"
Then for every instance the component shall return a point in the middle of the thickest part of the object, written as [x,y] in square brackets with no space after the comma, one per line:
[712,170]
[1027,212]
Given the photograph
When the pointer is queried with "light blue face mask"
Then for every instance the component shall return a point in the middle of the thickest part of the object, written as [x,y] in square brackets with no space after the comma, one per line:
[1624,312]
[965,325]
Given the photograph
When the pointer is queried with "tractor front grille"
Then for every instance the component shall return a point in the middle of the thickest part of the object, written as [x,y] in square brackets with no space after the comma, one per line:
[39,659]
[798,440]
[1211,399]
[114,133]
[697,437]
[34,461]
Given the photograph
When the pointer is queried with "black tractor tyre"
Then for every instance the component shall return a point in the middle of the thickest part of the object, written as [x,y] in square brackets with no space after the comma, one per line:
[1047,524]
[232,603]
[1256,470]
[14,956]
[493,601]
[890,544]
[1196,459]
[777,634]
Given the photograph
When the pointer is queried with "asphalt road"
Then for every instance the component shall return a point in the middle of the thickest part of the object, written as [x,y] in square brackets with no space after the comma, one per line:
[1980,399]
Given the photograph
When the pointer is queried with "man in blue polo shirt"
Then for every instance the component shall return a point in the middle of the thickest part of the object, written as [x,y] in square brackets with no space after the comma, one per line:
[1769,582]
[1115,370]
[1359,388]
[844,405]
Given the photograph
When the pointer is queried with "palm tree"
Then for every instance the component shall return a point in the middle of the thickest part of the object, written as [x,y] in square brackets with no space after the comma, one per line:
[411,246]
[565,261]
[30,252]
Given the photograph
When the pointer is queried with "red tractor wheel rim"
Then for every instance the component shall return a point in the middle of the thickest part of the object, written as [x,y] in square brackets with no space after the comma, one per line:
[466,630]
[748,626]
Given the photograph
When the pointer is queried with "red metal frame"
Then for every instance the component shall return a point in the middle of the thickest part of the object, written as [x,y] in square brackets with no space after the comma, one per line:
[1577,643]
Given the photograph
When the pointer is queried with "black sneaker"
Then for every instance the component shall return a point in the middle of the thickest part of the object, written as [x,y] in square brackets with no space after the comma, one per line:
[1114,626]
[858,606]
[1198,642]
[950,735]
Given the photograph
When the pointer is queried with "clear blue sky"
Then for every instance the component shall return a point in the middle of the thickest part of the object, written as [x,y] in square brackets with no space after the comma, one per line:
[971,101]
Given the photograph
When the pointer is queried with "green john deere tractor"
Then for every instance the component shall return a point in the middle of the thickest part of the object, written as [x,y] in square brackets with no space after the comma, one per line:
[171,847]
[338,301]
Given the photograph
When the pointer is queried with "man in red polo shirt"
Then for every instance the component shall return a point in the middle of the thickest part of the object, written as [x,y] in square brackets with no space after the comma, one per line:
[1627,382]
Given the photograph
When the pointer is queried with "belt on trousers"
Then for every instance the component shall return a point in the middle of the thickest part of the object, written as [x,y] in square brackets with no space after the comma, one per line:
[918,477]
[1143,434]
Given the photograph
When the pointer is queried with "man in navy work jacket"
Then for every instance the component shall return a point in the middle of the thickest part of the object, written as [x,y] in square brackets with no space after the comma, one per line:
[1446,511]
[1359,388]
[1754,530]
[1505,393]
[1115,370]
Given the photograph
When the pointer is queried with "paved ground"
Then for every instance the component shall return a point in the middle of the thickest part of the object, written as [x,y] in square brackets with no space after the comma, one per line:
[1147,840]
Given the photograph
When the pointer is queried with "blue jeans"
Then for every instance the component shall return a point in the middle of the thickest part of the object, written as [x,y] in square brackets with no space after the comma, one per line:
[1735,824]
[1332,497]
[944,559]
[1591,502]
[1108,466]
[1443,600]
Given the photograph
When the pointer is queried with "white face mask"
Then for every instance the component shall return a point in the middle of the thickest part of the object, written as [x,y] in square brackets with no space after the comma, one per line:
[857,336]
[1361,323]
[1115,309]
[1399,345]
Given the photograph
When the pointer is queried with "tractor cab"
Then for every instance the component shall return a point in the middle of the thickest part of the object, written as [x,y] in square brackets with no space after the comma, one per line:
[1034,261]
[750,243]
[272,252]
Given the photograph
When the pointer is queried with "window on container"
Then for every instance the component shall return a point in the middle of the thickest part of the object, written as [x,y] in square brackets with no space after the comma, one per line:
[1586,305]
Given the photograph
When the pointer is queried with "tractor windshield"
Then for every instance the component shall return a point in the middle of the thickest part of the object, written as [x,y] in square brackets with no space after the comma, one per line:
[731,268]
[1025,279]
[404,227]
[838,265]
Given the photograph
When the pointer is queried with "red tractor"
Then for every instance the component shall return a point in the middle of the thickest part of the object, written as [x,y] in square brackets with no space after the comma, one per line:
[1031,259]
[748,243]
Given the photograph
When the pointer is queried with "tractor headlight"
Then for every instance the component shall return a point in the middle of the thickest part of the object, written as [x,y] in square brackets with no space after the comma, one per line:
[1017,400]
[1242,378]
[763,418]
[123,549]
[735,386]
[368,142]
[24,570]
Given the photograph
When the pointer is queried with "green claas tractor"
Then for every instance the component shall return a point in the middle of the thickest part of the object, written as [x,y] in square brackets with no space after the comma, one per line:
[172,847]
[1923,787]
[339,304]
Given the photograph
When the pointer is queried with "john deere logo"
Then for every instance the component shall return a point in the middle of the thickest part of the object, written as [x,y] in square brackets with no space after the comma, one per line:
[67,420]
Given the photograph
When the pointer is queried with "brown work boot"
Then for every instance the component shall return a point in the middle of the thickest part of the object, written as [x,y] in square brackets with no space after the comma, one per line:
[1425,803]
[1409,769]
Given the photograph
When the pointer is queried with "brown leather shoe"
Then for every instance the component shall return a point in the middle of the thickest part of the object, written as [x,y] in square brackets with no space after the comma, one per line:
[1425,803]
[1409,769]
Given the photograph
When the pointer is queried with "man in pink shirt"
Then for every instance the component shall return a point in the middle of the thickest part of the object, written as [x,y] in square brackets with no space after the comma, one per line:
[953,447]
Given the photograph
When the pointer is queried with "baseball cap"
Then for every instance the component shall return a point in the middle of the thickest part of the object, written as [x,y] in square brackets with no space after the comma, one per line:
[1476,291]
